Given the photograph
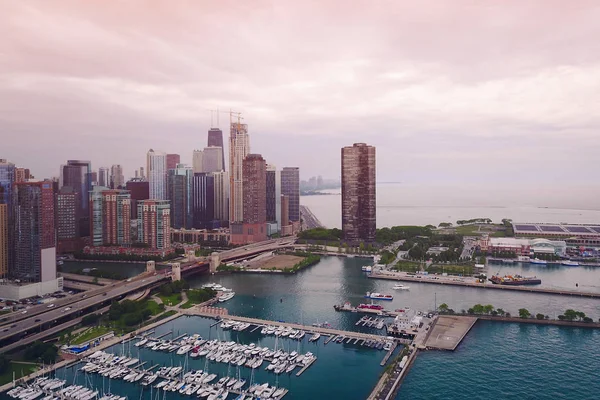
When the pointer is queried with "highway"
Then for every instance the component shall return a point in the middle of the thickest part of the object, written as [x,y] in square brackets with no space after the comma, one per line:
[310,220]
[71,306]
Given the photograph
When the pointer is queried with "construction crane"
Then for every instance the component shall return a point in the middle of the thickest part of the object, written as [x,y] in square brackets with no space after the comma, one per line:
[231,113]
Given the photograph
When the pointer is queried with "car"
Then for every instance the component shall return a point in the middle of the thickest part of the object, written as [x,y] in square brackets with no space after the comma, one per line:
[50,305]
[5,330]
[13,326]
[83,295]
[104,294]
[37,320]
[66,309]
[24,312]
[129,280]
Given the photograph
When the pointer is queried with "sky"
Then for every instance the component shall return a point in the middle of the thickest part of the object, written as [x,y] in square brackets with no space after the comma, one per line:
[448,91]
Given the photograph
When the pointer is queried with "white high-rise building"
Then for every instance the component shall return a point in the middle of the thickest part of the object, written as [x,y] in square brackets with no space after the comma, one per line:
[239,148]
[221,200]
[157,174]
[212,159]
[197,161]
[117,179]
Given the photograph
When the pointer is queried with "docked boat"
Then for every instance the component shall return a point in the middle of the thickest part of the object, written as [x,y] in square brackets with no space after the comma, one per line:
[367,268]
[570,263]
[315,337]
[226,296]
[515,280]
[399,286]
[376,307]
[379,296]
[538,261]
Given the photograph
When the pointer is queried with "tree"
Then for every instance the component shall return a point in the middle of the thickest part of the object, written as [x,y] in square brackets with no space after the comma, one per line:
[501,312]
[539,316]
[443,308]
[478,309]
[488,308]
[571,314]
[587,319]
[524,313]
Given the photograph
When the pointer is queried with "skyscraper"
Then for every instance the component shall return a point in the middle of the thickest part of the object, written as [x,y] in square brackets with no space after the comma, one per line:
[221,202]
[179,192]
[117,180]
[78,175]
[111,221]
[7,178]
[33,232]
[203,200]
[67,228]
[254,226]
[239,147]
[290,186]
[3,240]
[103,178]
[173,160]
[358,192]
[197,161]
[215,138]
[285,210]
[154,223]
[157,174]
[271,186]
[212,159]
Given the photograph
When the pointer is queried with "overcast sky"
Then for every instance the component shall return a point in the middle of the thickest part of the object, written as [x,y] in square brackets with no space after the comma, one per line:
[465,91]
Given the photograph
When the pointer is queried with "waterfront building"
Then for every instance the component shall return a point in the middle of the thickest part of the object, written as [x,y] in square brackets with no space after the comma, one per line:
[179,193]
[103,177]
[523,246]
[558,231]
[33,232]
[203,200]
[110,217]
[154,223]
[212,159]
[214,237]
[290,186]
[172,161]
[139,190]
[221,197]
[117,180]
[157,174]
[358,192]
[215,139]
[3,241]
[197,161]
[78,175]
[239,147]
[67,228]
[254,226]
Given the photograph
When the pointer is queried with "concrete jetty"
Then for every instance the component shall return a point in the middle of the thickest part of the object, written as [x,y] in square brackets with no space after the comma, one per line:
[448,331]
[448,281]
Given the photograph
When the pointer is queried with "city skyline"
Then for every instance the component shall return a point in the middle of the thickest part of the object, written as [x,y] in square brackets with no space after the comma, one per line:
[475,99]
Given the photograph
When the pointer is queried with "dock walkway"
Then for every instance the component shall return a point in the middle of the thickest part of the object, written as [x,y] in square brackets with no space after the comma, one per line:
[448,331]
[450,282]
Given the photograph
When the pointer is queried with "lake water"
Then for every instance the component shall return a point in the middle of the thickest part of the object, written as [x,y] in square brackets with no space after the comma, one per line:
[400,204]
[496,360]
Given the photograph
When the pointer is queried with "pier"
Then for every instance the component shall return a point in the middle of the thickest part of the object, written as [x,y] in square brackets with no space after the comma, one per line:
[389,354]
[446,280]
[306,366]
[163,335]
[448,331]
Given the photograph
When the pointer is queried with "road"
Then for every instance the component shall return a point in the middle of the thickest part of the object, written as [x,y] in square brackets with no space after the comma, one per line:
[44,314]
[310,220]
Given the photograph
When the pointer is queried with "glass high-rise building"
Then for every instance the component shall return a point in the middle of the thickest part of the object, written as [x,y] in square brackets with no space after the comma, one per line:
[111,217]
[358,192]
[156,168]
[203,200]
[179,193]
[78,175]
[271,195]
[7,178]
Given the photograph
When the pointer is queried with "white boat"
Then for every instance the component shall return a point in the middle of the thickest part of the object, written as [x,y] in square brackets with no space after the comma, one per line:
[314,337]
[226,296]
[379,296]
[141,343]
[367,268]
[570,263]
[538,261]
[399,286]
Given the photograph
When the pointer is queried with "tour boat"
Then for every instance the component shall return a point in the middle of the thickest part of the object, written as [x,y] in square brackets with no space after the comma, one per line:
[367,268]
[226,296]
[400,287]
[570,263]
[370,307]
[538,261]
[379,296]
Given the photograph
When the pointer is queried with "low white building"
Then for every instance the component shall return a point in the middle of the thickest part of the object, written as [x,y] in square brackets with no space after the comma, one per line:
[18,291]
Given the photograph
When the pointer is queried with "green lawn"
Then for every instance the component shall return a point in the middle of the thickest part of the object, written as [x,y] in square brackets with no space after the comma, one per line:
[451,269]
[407,266]
[468,230]
[90,334]
[187,304]
[171,300]
[165,315]
[20,371]
[155,307]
